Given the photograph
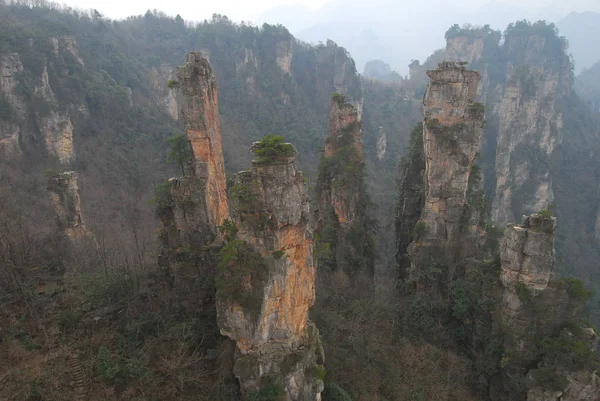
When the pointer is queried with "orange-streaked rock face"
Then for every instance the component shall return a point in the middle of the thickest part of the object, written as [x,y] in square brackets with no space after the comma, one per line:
[201,118]
[288,295]
[274,331]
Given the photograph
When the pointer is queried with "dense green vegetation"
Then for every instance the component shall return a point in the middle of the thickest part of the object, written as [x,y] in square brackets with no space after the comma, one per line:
[180,151]
[271,150]
[469,31]
[238,264]
[148,332]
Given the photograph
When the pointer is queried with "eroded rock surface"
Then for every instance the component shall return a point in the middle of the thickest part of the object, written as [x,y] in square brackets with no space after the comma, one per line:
[192,207]
[166,97]
[523,82]
[268,316]
[452,132]
[530,126]
[341,191]
[200,113]
[66,201]
[536,310]
[337,67]
[13,105]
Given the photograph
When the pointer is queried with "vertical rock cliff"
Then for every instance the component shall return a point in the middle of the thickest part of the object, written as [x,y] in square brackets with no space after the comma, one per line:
[200,114]
[341,194]
[284,54]
[548,353]
[525,84]
[530,124]
[167,97]
[336,66]
[266,281]
[40,121]
[192,207]
[12,105]
[452,131]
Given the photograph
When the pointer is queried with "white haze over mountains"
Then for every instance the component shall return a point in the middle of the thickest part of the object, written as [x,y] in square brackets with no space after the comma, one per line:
[399,31]
[394,31]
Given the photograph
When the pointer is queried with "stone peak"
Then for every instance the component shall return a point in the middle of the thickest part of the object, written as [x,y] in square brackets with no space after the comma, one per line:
[197,57]
[451,71]
[539,222]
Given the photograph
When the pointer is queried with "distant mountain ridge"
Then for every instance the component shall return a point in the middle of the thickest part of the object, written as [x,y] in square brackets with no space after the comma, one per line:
[582,30]
[388,31]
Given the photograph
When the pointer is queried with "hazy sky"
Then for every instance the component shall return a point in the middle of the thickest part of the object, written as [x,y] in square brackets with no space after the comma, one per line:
[193,10]
[250,9]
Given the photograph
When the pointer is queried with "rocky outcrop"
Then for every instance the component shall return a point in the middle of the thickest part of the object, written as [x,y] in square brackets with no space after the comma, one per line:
[527,252]
[200,114]
[452,132]
[527,257]
[284,54]
[12,105]
[341,191]
[536,309]
[381,144]
[182,210]
[264,309]
[54,124]
[64,192]
[468,48]
[167,97]
[66,44]
[574,386]
[53,120]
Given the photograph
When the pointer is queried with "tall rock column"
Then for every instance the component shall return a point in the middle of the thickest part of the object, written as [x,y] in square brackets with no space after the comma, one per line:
[341,192]
[192,207]
[452,131]
[200,114]
[266,282]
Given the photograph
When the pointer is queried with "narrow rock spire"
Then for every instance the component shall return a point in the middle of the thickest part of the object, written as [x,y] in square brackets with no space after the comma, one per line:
[452,131]
[200,114]
[341,192]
